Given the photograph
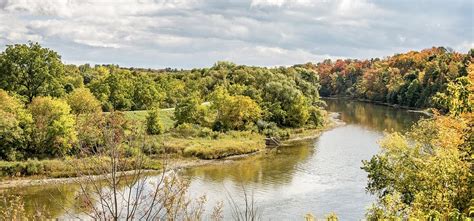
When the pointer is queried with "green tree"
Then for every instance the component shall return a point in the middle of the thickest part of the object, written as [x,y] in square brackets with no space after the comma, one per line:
[153,122]
[145,94]
[31,70]
[298,111]
[121,89]
[458,98]
[236,113]
[285,105]
[53,127]
[82,101]
[114,90]
[189,110]
[15,127]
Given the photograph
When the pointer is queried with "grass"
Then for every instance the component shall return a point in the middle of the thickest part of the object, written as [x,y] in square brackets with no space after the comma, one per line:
[166,117]
[303,133]
[231,143]
[223,145]
[67,167]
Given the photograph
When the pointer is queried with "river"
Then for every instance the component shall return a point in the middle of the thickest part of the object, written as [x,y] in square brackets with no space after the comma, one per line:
[315,176]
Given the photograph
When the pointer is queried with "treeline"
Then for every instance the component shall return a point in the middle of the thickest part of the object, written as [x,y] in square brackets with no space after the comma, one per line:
[49,108]
[435,77]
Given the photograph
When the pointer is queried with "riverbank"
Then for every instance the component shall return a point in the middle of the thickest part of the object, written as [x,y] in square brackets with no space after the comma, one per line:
[174,163]
[425,111]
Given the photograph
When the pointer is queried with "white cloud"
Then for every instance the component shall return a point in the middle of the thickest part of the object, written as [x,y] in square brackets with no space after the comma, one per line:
[196,33]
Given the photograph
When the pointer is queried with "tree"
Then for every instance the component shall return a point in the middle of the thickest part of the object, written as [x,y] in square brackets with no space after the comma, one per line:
[189,110]
[236,113]
[121,89]
[53,127]
[31,70]
[82,101]
[458,98]
[424,172]
[286,105]
[153,123]
[145,94]
[15,127]
[298,112]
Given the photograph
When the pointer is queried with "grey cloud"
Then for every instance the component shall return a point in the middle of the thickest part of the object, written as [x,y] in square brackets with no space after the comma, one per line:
[196,33]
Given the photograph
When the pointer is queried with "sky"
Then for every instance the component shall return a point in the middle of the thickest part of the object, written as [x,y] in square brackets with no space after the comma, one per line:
[197,33]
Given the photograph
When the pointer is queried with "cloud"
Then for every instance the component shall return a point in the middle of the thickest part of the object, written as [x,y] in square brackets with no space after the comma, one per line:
[197,33]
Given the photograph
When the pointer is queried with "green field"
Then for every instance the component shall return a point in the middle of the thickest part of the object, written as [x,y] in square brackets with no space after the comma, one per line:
[166,117]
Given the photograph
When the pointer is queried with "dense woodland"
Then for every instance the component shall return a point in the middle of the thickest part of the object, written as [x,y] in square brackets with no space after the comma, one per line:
[51,110]
[428,78]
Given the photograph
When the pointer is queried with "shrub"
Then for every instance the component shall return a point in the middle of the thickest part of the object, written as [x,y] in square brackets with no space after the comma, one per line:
[152,147]
[130,151]
[82,101]
[187,130]
[153,123]
[316,116]
[22,168]
[89,129]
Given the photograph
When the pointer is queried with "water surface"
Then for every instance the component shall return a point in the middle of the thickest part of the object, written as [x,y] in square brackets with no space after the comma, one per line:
[317,176]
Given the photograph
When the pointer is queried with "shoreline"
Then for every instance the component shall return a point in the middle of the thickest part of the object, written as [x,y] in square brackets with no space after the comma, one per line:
[396,106]
[174,164]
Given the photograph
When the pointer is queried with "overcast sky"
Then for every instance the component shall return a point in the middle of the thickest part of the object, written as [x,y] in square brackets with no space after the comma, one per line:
[197,33]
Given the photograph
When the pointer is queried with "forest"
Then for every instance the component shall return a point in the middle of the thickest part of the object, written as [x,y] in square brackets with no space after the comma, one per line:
[52,113]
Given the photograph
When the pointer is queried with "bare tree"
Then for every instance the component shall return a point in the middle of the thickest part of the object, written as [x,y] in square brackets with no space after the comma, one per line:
[118,188]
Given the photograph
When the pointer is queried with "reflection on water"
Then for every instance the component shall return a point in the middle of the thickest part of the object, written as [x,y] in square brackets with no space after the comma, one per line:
[52,199]
[371,116]
[318,176]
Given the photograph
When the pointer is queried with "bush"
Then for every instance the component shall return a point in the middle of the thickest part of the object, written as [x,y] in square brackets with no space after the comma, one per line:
[270,129]
[23,168]
[316,116]
[153,123]
[15,126]
[82,101]
[53,131]
[152,147]
[130,151]
[187,130]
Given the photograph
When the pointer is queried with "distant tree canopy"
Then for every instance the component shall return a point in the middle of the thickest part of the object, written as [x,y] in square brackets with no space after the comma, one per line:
[413,79]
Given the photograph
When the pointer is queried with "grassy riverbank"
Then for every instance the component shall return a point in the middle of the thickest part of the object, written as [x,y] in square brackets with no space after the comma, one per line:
[66,167]
[186,145]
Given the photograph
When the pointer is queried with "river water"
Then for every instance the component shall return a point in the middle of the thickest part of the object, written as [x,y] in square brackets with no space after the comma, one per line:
[315,176]
[319,176]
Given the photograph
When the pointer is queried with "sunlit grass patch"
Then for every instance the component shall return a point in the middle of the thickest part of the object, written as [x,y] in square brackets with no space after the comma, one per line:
[232,143]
